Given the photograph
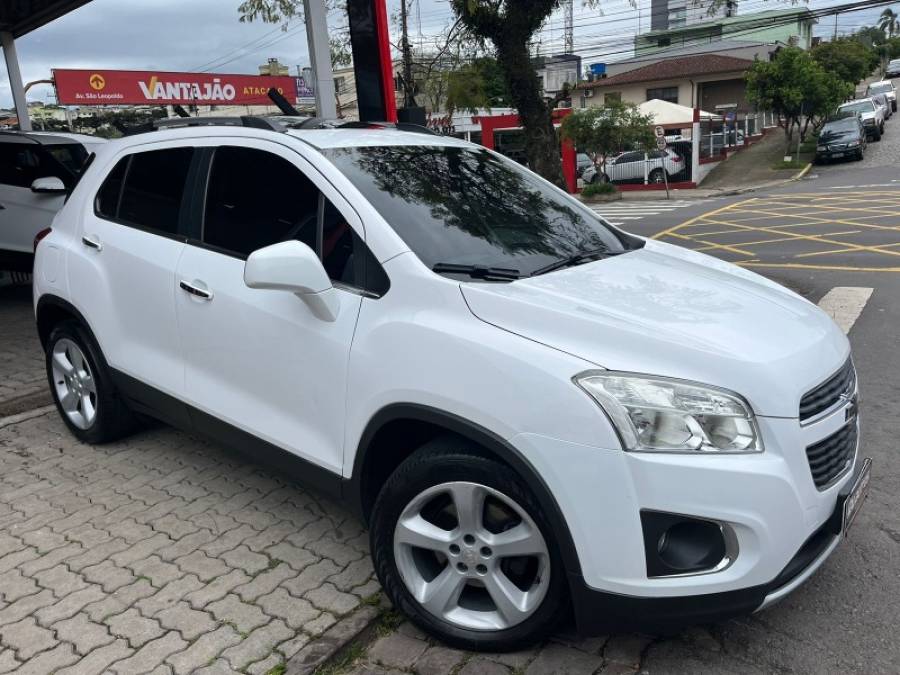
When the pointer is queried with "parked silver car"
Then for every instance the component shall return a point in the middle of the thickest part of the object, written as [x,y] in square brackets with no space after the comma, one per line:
[631,166]
[887,88]
[869,112]
[881,100]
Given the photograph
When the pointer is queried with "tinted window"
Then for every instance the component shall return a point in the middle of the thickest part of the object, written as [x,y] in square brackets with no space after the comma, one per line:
[72,156]
[861,107]
[154,187]
[107,204]
[20,164]
[463,205]
[255,199]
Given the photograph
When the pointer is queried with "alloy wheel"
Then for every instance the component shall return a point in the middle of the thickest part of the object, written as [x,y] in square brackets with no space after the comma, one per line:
[472,556]
[75,386]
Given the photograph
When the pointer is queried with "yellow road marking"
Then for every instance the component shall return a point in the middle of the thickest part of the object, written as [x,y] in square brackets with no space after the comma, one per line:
[841,250]
[839,268]
[789,237]
[710,245]
[695,219]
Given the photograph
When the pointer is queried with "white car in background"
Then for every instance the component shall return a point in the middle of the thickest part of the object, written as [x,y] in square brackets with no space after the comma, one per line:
[629,167]
[871,114]
[37,170]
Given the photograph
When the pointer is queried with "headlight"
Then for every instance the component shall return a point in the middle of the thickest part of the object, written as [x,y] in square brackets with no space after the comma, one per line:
[852,144]
[821,148]
[869,122]
[661,415]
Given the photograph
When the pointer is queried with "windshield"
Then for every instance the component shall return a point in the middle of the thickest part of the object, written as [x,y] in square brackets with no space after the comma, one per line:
[860,107]
[880,88]
[467,206]
[840,129]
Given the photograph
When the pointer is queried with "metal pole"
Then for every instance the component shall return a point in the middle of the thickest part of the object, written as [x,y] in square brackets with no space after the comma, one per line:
[15,79]
[320,56]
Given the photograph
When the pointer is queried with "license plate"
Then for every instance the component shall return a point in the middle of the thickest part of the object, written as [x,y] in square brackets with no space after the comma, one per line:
[837,154]
[857,495]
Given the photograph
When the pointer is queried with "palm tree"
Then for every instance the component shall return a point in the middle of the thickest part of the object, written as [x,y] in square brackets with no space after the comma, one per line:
[889,22]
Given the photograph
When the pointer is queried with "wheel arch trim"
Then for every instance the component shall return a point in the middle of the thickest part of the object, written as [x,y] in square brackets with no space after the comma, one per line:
[491,442]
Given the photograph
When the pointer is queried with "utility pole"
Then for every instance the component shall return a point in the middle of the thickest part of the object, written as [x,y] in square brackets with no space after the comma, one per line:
[835,27]
[569,26]
[409,99]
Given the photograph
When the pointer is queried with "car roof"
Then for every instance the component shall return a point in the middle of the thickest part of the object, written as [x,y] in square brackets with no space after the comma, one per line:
[857,100]
[320,139]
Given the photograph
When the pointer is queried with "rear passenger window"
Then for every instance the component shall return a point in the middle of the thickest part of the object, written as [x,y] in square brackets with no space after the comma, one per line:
[107,204]
[154,187]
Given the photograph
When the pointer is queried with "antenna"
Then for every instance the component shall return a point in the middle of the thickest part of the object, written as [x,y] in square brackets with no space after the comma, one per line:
[569,25]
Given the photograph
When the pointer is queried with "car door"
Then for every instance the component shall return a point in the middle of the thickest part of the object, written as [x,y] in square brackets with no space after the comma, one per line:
[259,361]
[123,279]
[24,213]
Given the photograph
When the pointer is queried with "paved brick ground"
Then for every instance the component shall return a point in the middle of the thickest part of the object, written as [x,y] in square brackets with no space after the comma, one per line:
[21,357]
[162,554]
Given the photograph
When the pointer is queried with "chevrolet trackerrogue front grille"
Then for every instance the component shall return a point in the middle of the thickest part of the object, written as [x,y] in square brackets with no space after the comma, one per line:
[830,457]
[828,393]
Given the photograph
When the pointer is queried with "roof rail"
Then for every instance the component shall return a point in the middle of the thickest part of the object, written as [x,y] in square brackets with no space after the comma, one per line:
[399,126]
[252,121]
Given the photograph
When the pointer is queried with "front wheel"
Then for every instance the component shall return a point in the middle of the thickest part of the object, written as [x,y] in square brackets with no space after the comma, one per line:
[656,176]
[462,547]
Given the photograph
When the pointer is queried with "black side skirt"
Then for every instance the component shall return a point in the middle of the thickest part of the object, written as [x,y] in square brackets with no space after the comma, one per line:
[150,401]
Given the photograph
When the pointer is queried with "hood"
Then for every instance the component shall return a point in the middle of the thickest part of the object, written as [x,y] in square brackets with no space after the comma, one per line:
[665,310]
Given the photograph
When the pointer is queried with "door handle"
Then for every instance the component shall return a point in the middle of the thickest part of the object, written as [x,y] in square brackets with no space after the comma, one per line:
[196,291]
[92,242]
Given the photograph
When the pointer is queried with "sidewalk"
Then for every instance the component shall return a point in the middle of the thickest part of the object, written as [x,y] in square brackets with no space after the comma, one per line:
[24,382]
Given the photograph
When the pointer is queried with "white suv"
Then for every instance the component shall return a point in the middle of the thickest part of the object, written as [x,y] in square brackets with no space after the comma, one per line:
[37,169]
[539,416]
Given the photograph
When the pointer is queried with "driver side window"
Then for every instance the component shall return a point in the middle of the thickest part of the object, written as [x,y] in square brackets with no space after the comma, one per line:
[255,199]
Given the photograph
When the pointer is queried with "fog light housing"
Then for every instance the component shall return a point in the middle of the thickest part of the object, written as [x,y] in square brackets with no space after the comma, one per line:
[677,545]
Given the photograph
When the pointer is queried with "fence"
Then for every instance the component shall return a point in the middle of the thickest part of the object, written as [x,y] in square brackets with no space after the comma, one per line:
[719,134]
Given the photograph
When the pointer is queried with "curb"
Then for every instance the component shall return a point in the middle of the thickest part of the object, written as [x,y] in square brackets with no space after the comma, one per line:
[333,641]
[22,417]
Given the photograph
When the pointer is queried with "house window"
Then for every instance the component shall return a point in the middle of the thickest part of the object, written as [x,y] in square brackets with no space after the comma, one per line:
[669,94]
[611,96]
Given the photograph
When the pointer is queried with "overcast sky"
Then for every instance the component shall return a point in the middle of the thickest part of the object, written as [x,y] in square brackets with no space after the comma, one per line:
[189,35]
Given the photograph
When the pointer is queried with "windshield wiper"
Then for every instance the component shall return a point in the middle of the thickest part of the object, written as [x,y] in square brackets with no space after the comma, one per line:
[576,259]
[479,271]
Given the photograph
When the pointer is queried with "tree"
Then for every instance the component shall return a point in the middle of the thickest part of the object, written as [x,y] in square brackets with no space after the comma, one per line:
[605,130]
[794,86]
[508,25]
[285,11]
[846,58]
[888,22]
[477,84]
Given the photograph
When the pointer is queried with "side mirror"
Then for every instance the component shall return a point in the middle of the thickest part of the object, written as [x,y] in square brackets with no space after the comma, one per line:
[295,267]
[51,185]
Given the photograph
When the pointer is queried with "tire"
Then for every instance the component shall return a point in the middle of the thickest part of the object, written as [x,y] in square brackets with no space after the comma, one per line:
[600,178]
[76,365]
[432,478]
[876,136]
[656,176]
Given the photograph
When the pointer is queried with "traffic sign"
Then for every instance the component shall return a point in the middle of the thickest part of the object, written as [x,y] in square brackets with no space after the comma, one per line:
[660,132]
[661,143]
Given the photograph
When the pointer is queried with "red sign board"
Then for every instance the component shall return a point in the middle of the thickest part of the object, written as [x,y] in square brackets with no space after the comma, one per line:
[147,87]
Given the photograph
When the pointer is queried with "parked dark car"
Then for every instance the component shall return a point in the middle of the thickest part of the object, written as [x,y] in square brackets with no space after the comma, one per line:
[841,139]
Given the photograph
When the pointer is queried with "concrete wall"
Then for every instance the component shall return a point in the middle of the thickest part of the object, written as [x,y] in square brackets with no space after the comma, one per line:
[725,85]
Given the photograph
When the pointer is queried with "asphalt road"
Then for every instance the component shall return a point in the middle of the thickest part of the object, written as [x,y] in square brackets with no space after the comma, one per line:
[839,227]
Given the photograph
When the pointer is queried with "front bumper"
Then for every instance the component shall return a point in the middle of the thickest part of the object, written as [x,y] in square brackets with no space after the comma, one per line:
[600,612]
[843,153]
